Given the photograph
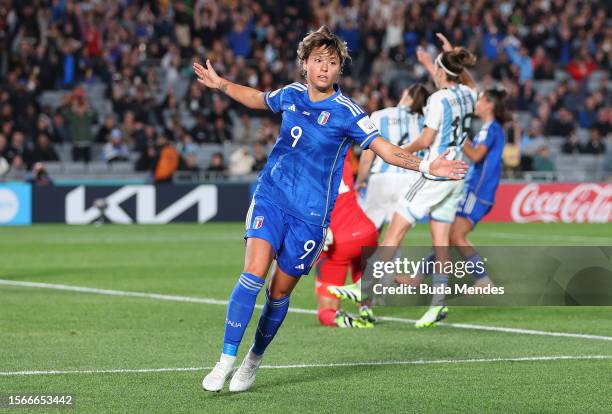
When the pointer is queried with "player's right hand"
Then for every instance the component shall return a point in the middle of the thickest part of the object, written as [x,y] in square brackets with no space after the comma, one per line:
[207,75]
[441,167]
[446,45]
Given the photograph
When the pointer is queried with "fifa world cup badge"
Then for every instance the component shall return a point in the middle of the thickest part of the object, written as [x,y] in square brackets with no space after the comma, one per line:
[258,222]
[323,117]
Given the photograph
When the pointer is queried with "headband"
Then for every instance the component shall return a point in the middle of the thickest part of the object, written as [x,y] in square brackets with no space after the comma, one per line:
[444,68]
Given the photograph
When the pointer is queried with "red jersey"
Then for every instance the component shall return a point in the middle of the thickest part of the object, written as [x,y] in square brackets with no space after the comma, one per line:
[348,221]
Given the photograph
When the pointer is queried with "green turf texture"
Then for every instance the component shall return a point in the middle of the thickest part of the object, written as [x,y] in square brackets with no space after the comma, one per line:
[55,330]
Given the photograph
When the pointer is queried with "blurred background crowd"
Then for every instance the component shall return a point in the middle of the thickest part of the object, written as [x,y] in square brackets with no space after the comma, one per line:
[109,83]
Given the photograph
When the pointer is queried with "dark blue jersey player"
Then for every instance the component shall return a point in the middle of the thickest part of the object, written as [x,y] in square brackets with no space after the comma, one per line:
[481,182]
[292,205]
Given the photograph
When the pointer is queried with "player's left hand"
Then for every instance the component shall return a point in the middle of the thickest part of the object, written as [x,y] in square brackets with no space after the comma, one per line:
[424,57]
[441,167]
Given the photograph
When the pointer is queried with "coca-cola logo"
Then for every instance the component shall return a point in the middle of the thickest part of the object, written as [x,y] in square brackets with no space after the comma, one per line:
[590,203]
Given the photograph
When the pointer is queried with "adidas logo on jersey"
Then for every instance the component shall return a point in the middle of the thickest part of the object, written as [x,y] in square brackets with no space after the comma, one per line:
[300,266]
[292,108]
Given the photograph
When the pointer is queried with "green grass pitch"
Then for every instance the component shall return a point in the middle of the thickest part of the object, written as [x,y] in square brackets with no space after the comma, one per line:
[474,370]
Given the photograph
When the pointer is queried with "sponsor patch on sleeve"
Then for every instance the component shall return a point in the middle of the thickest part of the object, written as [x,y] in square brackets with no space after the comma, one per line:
[366,125]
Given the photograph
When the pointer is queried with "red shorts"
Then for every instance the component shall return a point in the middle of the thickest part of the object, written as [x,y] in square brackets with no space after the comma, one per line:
[333,265]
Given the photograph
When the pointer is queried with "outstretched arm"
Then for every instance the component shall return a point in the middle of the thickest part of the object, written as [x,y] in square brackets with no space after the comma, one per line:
[249,97]
[439,167]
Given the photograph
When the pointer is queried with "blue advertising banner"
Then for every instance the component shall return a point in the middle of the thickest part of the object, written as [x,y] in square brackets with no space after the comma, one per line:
[15,204]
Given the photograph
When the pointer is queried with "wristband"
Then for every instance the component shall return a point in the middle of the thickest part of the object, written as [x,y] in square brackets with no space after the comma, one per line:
[424,166]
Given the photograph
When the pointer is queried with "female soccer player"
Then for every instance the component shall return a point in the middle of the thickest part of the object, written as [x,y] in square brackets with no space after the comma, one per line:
[482,179]
[400,125]
[447,119]
[387,185]
[296,191]
[351,229]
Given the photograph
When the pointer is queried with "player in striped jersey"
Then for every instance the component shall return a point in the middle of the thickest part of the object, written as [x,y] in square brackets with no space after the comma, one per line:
[447,119]
[387,184]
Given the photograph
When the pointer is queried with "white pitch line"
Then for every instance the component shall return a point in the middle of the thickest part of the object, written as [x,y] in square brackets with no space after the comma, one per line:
[207,301]
[330,365]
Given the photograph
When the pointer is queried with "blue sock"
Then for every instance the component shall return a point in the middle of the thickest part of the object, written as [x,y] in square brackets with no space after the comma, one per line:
[271,318]
[479,270]
[240,310]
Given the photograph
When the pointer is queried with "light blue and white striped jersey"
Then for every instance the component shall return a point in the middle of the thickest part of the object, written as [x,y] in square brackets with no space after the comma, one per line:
[449,111]
[399,127]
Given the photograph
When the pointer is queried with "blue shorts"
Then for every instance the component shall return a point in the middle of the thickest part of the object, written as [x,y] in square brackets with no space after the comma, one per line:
[473,208]
[297,244]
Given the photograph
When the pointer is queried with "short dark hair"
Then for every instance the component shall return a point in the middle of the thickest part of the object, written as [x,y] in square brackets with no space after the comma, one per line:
[322,37]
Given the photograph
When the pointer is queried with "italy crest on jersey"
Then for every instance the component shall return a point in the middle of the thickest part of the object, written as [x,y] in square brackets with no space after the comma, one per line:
[323,117]
[258,222]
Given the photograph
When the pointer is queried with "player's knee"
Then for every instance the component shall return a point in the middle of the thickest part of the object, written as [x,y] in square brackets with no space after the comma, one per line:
[279,292]
[457,239]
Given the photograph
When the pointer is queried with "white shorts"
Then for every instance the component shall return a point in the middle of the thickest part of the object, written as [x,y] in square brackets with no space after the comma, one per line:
[385,192]
[439,199]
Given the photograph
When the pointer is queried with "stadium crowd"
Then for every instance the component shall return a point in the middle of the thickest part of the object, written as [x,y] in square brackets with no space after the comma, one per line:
[139,54]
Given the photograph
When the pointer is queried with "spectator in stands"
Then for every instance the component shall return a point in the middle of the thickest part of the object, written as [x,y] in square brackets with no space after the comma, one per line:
[572,145]
[581,66]
[604,121]
[79,118]
[138,49]
[201,132]
[561,125]
[511,155]
[221,132]
[241,162]
[217,168]
[541,160]
[43,150]
[116,149]
[39,176]
[22,150]
[107,126]
[595,145]
[543,67]
[145,143]
[188,151]
[243,132]
[167,160]
[519,56]
[260,157]
[43,125]
[6,151]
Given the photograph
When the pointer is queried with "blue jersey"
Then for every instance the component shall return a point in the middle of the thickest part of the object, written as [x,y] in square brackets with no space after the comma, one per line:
[483,177]
[304,169]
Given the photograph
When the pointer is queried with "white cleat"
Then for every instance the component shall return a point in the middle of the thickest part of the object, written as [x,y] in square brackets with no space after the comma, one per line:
[245,375]
[216,378]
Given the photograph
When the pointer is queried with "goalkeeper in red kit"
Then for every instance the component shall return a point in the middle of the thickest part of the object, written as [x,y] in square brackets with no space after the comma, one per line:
[350,230]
